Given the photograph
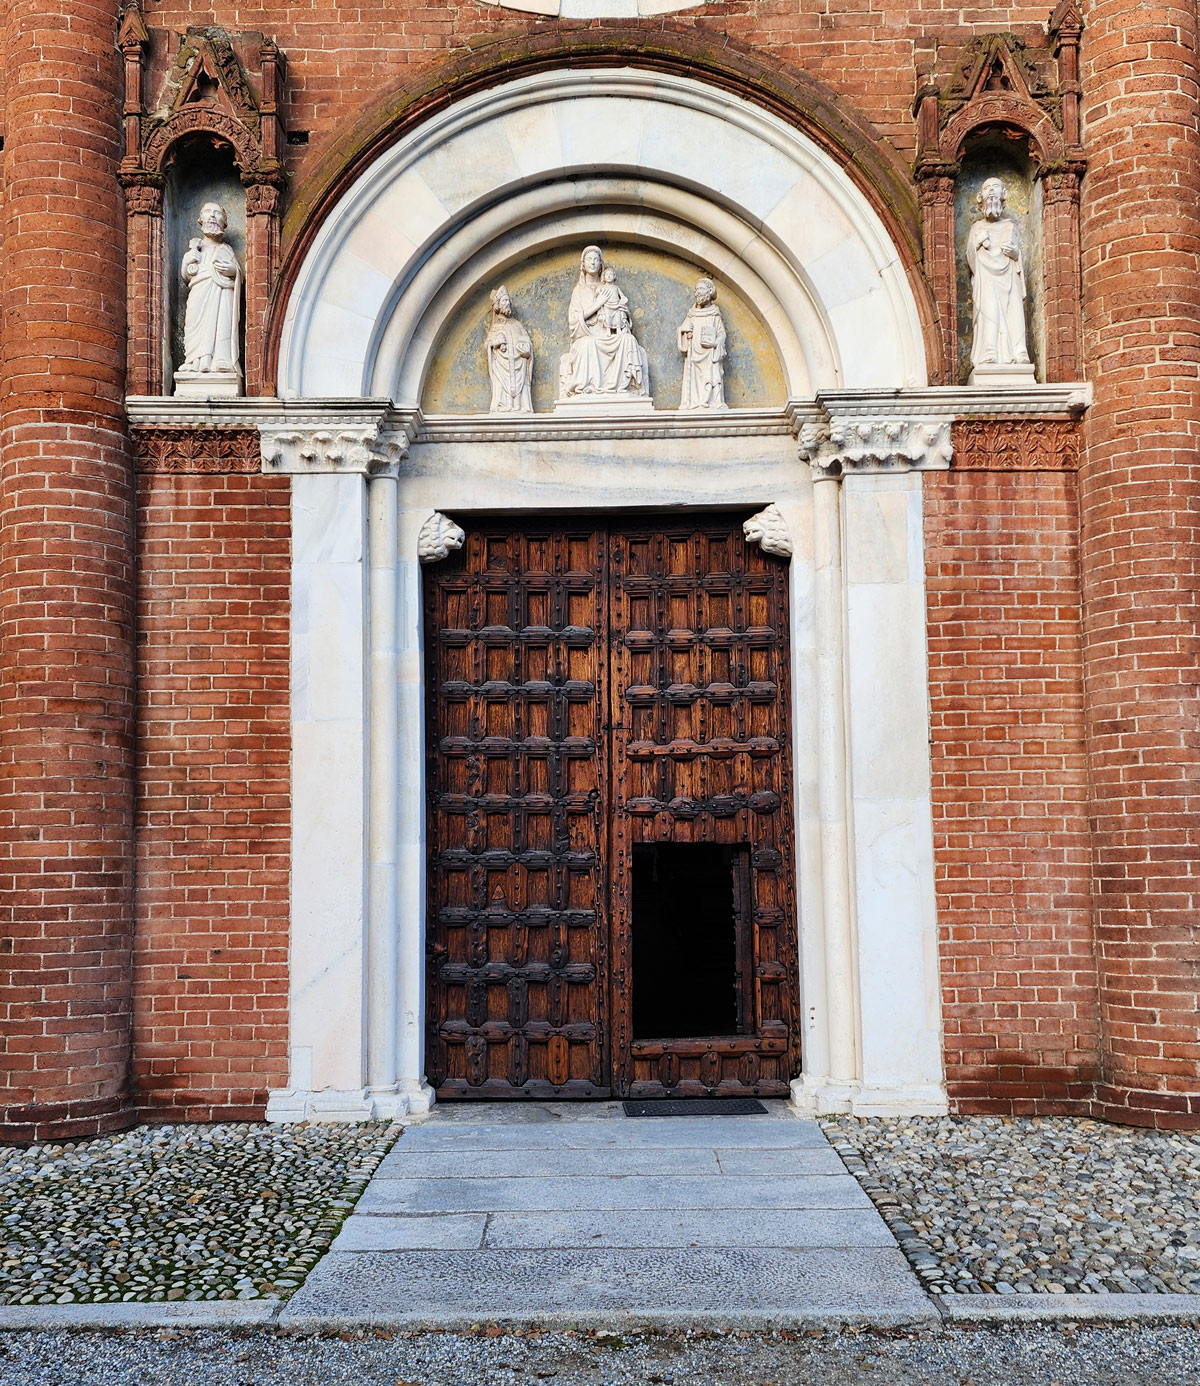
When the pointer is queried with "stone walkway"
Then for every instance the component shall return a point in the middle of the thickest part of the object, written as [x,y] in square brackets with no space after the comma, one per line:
[580,1216]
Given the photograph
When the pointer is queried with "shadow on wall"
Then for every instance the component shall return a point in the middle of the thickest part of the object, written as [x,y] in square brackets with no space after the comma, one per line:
[660,290]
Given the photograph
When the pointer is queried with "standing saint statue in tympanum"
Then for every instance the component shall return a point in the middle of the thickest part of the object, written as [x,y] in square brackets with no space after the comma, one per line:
[211,323]
[509,358]
[702,341]
[999,353]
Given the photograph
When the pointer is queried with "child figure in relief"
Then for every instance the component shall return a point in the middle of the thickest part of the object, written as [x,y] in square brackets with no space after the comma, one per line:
[615,306]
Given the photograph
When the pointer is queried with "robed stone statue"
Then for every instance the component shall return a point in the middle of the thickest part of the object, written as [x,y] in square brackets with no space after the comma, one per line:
[998,350]
[509,358]
[702,341]
[211,323]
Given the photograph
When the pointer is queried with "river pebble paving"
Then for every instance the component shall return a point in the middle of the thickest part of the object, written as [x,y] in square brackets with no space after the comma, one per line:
[1022,1205]
[233,1211]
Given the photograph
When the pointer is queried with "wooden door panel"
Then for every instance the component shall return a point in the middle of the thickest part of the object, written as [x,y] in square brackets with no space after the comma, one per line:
[516,929]
[699,698]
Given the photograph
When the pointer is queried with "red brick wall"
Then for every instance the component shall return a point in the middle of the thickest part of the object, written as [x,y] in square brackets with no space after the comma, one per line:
[1011,844]
[210,988]
[65,580]
[1140,504]
[343,55]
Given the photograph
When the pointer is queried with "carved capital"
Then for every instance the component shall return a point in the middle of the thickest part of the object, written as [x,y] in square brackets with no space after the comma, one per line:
[363,449]
[935,186]
[890,444]
[769,531]
[262,199]
[875,443]
[438,537]
[143,194]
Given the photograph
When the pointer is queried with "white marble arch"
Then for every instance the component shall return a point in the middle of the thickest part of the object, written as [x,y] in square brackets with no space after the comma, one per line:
[522,165]
[613,156]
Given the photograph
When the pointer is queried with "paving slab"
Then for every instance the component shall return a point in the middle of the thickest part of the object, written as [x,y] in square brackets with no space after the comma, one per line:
[549,1215]
[432,1233]
[707,1133]
[850,1227]
[1043,1308]
[717,1288]
[218,1314]
[622,1191]
[413,1162]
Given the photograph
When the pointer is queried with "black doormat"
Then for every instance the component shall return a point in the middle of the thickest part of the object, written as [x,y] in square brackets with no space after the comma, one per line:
[695,1106]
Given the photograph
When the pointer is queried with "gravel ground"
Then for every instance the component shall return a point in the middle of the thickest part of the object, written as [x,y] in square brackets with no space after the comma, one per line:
[997,1205]
[238,1211]
[974,1357]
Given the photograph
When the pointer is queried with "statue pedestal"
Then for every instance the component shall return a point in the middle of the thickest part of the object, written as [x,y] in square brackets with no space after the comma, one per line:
[208,384]
[1010,373]
[623,403]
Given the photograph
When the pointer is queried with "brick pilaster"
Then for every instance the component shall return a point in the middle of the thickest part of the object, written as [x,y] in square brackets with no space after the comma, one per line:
[1140,556]
[66,580]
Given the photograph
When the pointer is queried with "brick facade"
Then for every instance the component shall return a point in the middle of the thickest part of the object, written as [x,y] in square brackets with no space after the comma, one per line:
[1012,849]
[211,938]
[144,816]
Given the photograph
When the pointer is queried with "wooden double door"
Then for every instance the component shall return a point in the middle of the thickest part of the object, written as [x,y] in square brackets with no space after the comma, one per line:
[611,903]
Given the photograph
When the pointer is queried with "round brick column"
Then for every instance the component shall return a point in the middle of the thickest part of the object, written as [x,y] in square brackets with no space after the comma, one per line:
[66,581]
[1140,518]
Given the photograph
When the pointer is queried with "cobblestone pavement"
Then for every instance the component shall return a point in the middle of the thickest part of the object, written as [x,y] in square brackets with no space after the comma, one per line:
[1128,1356]
[996,1205]
[236,1211]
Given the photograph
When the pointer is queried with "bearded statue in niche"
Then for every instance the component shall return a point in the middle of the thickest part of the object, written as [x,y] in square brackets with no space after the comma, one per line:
[210,269]
[605,359]
[702,341]
[509,358]
[999,354]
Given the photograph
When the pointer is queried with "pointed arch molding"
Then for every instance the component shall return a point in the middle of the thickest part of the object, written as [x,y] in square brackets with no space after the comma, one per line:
[623,155]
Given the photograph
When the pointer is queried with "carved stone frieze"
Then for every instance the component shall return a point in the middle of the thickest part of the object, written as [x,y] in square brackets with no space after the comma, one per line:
[438,537]
[363,449]
[1016,445]
[876,444]
[768,529]
[195,451]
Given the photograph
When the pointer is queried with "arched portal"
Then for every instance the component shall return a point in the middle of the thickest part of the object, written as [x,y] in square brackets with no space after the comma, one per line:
[391,466]
[644,157]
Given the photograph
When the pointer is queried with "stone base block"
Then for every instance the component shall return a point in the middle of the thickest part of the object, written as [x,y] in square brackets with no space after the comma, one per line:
[208,384]
[1008,374]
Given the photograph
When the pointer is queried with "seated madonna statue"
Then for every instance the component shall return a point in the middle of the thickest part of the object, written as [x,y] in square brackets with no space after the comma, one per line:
[605,357]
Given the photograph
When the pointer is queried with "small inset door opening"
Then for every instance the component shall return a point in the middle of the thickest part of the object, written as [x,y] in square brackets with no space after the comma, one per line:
[688,945]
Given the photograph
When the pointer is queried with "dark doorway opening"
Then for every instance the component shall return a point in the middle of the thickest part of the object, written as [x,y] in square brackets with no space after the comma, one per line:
[688,912]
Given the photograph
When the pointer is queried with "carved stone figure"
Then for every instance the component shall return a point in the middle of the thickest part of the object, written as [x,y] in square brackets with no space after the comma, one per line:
[438,536]
[768,529]
[210,269]
[998,348]
[702,341]
[605,357]
[509,358]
